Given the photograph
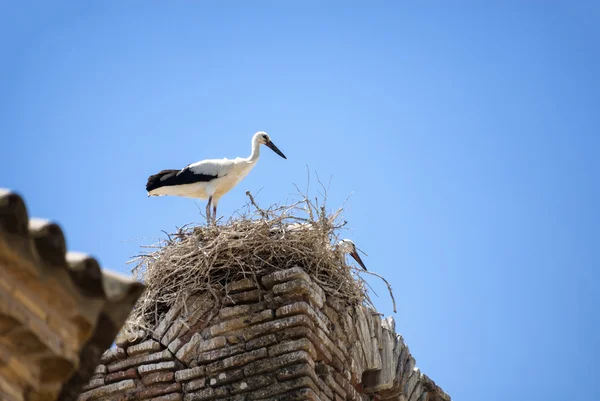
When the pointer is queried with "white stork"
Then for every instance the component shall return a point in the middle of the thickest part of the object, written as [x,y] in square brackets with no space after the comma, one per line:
[346,246]
[209,179]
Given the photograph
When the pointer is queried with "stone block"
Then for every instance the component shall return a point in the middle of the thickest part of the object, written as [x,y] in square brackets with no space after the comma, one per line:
[189,374]
[293,345]
[139,360]
[298,288]
[125,340]
[284,275]
[172,332]
[157,367]
[167,320]
[296,395]
[283,387]
[213,343]
[302,307]
[303,332]
[277,325]
[157,377]
[252,383]
[246,297]
[100,370]
[261,342]
[168,397]
[94,383]
[211,356]
[107,390]
[112,355]
[207,394]
[187,351]
[159,389]
[228,326]
[146,347]
[241,285]
[236,361]
[175,345]
[227,377]
[130,373]
[272,364]
[195,385]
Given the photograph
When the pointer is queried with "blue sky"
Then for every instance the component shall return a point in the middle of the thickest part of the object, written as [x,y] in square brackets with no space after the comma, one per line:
[468,134]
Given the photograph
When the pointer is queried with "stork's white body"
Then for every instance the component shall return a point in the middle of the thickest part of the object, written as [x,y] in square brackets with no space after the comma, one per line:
[209,179]
[228,173]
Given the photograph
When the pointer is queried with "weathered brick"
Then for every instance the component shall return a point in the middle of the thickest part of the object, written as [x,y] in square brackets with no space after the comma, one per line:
[303,307]
[226,377]
[213,343]
[107,390]
[234,311]
[175,345]
[125,340]
[245,297]
[94,383]
[173,332]
[281,276]
[186,352]
[293,345]
[296,395]
[303,332]
[210,356]
[113,354]
[139,360]
[159,389]
[207,394]
[283,387]
[168,397]
[295,371]
[158,377]
[277,325]
[145,347]
[157,367]
[412,381]
[100,370]
[301,288]
[278,362]
[189,374]
[130,373]
[260,342]
[166,321]
[195,384]
[236,361]
[332,384]
[241,285]
[228,326]
[252,383]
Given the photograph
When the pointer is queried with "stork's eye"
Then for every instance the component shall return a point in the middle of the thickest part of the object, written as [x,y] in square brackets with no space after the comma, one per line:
[265,137]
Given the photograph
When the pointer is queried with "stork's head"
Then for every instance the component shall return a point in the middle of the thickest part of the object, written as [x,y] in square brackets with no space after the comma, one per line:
[263,138]
[346,246]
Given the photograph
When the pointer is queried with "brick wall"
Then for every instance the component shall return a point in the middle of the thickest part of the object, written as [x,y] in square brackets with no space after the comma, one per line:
[282,340]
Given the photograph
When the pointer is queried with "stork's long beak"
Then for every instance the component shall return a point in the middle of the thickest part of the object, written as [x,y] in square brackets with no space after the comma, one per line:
[275,149]
[358,259]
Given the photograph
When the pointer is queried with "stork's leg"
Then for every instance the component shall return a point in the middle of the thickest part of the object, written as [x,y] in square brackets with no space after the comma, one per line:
[208,210]
[215,213]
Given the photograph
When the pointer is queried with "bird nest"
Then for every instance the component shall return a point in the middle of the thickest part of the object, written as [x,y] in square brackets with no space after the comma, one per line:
[256,242]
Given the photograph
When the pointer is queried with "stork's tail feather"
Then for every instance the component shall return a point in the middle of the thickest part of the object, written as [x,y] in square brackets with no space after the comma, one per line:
[160,180]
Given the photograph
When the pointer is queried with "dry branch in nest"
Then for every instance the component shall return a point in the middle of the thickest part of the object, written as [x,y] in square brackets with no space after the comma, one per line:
[203,259]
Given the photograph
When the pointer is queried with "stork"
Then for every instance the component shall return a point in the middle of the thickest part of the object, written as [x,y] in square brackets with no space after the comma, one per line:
[346,246]
[209,179]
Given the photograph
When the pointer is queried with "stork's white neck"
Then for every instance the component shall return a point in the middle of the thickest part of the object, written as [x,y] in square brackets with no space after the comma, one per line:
[255,151]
